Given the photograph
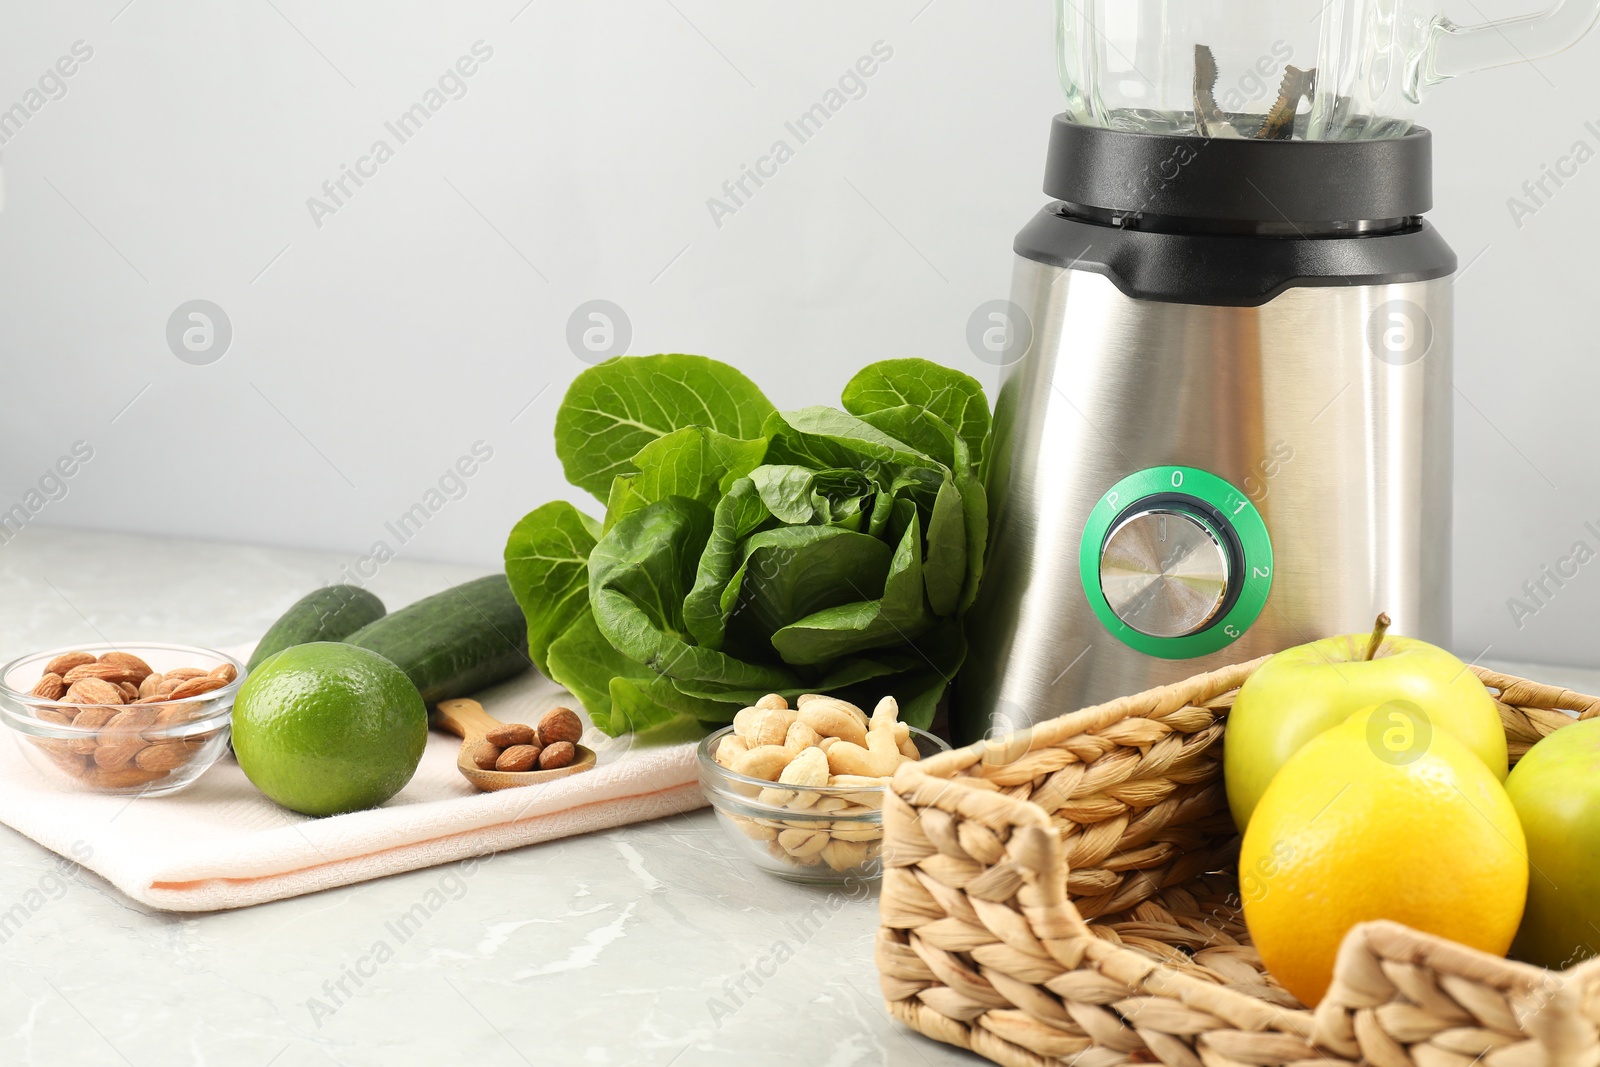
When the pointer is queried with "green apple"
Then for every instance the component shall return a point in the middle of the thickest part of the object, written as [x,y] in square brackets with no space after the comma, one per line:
[1556,791]
[1305,690]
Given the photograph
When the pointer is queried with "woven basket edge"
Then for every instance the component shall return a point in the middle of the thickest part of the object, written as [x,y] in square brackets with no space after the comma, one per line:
[1214,684]
[1565,1032]
[1551,697]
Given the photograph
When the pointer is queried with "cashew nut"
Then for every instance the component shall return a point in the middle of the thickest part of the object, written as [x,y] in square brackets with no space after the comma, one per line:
[842,855]
[767,761]
[803,843]
[773,702]
[834,718]
[754,830]
[800,737]
[762,726]
[808,768]
[729,749]
[887,713]
[769,727]
[902,738]
[832,702]
[859,833]
[860,803]
[878,759]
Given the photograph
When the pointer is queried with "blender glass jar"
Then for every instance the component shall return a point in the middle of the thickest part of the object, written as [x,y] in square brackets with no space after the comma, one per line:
[1281,69]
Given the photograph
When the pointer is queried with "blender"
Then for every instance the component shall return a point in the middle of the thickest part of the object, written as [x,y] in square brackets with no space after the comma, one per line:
[1232,430]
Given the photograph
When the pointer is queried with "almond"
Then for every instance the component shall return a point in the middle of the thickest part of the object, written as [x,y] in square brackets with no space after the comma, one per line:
[120,740]
[130,692]
[91,718]
[66,661]
[484,755]
[560,724]
[131,720]
[195,686]
[64,758]
[50,687]
[185,673]
[117,753]
[517,758]
[72,763]
[198,741]
[560,754]
[93,691]
[163,756]
[509,735]
[109,672]
[173,714]
[52,716]
[147,688]
[94,718]
[121,777]
[135,666]
[227,672]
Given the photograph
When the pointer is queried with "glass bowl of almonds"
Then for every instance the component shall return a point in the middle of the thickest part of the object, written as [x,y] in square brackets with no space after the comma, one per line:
[126,719]
[800,790]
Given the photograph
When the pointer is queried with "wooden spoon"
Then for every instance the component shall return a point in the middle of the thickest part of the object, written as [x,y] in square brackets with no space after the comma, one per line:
[467,719]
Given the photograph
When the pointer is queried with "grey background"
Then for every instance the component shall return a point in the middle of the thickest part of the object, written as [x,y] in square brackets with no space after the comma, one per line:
[431,311]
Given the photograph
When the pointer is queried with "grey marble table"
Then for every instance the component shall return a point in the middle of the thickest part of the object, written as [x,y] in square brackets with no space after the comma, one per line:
[644,946]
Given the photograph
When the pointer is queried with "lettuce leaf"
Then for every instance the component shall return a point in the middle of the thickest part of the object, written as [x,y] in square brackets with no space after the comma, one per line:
[612,411]
[747,551]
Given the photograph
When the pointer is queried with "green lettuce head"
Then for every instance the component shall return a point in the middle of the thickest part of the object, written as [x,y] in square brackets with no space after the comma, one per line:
[747,551]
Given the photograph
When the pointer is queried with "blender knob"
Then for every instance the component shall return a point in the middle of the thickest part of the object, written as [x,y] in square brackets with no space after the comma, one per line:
[1165,571]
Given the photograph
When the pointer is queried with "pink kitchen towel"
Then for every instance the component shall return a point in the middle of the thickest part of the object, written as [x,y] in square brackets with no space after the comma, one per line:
[222,844]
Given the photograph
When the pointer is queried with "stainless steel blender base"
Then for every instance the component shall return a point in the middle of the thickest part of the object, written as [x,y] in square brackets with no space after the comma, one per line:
[1345,453]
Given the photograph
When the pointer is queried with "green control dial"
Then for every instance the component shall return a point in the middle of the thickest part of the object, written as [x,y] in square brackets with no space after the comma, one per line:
[1176,562]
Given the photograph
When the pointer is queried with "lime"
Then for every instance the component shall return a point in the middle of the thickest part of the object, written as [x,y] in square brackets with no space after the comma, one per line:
[325,728]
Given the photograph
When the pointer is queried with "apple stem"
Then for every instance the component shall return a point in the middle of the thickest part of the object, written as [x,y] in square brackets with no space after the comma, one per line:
[1379,628]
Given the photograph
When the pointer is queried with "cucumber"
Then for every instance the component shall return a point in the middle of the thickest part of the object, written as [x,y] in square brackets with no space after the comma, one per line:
[454,643]
[331,613]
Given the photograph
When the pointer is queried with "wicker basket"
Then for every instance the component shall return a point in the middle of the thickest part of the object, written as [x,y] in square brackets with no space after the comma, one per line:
[1067,894]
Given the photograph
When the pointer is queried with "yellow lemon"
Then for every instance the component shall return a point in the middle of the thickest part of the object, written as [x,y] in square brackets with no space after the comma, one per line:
[1380,817]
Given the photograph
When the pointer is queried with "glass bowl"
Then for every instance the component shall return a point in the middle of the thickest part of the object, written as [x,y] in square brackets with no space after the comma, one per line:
[821,835]
[128,749]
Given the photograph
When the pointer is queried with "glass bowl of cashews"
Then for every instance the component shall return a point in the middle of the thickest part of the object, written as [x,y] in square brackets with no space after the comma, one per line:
[800,790]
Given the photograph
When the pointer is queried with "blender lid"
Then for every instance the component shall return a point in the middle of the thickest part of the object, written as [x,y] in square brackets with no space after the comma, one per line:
[1239,180]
